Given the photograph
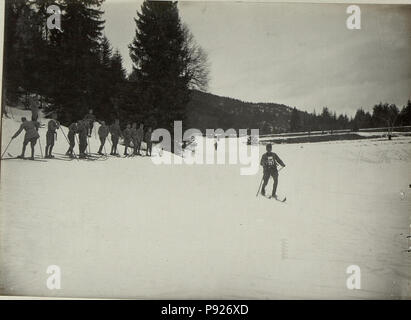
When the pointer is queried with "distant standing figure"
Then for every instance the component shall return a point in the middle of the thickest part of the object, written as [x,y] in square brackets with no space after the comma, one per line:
[34,111]
[82,137]
[115,132]
[31,135]
[149,142]
[127,139]
[90,118]
[269,162]
[52,126]
[140,135]
[72,138]
[134,137]
[102,134]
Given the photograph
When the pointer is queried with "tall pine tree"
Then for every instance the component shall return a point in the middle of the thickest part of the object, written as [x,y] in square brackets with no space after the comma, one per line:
[75,59]
[163,63]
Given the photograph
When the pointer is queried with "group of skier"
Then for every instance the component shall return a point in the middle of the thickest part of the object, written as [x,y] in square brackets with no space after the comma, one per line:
[133,136]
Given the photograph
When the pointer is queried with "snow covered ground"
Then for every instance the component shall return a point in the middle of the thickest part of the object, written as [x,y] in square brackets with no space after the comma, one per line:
[129,228]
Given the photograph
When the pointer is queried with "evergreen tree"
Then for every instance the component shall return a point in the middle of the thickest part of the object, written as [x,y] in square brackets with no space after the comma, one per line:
[163,58]
[76,60]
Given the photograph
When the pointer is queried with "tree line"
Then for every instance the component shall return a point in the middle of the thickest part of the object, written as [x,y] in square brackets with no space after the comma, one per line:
[382,115]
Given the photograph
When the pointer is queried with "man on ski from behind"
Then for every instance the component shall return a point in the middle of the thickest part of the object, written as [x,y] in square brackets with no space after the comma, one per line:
[127,139]
[103,132]
[140,136]
[149,142]
[116,133]
[82,129]
[52,126]
[134,137]
[269,162]
[72,138]
[31,135]
[89,119]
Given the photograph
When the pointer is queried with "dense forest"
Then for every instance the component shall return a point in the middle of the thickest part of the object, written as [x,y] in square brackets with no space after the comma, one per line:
[206,110]
[73,70]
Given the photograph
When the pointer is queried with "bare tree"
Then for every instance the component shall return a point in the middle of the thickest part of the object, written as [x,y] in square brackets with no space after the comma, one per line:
[197,68]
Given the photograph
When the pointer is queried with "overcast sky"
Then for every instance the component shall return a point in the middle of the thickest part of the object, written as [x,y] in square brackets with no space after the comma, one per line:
[298,54]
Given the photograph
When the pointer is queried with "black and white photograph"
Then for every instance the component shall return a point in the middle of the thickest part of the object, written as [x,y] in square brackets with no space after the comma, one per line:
[237,150]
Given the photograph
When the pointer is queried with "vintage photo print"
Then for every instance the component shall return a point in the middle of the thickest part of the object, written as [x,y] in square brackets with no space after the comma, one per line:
[205,150]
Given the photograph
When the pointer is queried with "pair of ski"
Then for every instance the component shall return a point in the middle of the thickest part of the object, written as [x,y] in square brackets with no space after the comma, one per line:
[11,157]
[62,158]
[276,198]
[132,155]
[88,157]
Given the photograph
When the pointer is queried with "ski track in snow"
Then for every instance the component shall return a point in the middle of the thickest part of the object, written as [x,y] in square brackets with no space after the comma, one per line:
[130,228]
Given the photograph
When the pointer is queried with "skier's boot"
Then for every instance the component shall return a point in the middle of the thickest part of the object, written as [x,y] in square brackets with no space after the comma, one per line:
[20,156]
[263,192]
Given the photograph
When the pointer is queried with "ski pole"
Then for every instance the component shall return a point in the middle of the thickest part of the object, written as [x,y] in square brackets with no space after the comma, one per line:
[6,148]
[258,191]
[68,142]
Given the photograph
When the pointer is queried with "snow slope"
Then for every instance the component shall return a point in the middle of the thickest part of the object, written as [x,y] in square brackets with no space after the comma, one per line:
[130,228]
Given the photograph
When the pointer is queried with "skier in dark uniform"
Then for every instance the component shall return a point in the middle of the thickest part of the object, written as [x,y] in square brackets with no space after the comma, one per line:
[52,126]
[82,129]
[102,133]
[90,118]
[269,162]
[115,132]
[72,138]
[140,135]
[127,139]
[31,135]
[133,133]
[148,142]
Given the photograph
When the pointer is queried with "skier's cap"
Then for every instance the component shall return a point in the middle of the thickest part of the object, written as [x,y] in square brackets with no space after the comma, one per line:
[23,119]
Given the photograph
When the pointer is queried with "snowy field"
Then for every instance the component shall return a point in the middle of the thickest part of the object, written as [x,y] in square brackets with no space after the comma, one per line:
[128,228]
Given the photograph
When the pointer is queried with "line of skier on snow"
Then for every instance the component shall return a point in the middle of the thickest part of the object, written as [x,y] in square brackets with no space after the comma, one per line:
[83,128]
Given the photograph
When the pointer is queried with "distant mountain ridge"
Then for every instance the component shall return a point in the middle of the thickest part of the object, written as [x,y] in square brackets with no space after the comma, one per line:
[210,111]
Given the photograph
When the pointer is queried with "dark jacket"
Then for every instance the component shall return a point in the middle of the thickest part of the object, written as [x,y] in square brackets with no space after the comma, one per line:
[115,130]
[82,129]
[103,131]
[127,134]
[140,134]
[31,128]
[52,126]
[133,132]
[72,128]
[269,160]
